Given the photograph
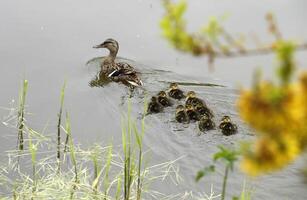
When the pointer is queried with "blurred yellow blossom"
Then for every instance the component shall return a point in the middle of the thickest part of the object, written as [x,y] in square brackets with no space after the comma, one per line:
[270,154]
[279,115]
[267,108]
[278,112]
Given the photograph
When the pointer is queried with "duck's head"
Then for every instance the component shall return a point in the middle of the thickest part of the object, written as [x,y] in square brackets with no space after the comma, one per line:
[226,118]
[110,44]
[180,108]
[173,86]
[189,107]
[162,94]
[204,118]
[191,94]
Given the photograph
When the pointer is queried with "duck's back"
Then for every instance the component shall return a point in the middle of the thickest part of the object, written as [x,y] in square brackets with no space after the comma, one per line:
[125,68]
[126,74]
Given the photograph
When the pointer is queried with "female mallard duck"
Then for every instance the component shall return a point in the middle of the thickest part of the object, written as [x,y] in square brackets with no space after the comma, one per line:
[206,124]
[193,100]
[181,115]
[154,106]
[175,92]
[227,127]
[192,113]
[118,71]
[203,110]
[163,99]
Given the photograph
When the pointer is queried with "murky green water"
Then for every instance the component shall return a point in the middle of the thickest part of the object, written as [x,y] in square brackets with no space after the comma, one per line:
[48,42]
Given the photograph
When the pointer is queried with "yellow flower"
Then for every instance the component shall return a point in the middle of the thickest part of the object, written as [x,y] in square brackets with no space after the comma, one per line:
[271,109]
[279,115]
[270,154]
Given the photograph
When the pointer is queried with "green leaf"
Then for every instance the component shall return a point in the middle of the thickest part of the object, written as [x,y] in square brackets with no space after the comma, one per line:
[207,170]
[228,155]
[137,135]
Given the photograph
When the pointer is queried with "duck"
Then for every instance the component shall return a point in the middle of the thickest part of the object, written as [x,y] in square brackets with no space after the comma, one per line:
[118,71]
[163,99]
[203,110]
[192,99]
[192,113]
[205,123]
[174,92]
[181,115]
[154,106]
[227,126]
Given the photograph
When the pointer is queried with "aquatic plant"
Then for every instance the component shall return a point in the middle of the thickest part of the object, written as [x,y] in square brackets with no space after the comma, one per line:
[21,114]
[59,127]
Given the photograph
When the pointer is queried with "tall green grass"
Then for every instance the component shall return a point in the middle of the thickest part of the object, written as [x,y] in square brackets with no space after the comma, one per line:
[93,173]
[59,128]
[33,152]
[21,114]
[127,149]
[133,166]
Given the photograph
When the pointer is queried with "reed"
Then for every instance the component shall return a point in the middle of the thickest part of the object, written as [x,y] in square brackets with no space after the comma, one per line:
[72,154]
[59,127]
[107,170]
[33,151]
[97,170]
[139,140]
[118,188]
[129,155]
[21,114]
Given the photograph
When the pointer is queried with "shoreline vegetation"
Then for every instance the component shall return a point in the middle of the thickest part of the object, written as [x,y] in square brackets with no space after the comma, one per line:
[54,167]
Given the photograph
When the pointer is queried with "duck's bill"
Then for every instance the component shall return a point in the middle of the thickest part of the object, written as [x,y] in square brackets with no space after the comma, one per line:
[99,46]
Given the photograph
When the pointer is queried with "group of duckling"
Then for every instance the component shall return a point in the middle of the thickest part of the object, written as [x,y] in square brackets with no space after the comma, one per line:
[194,110]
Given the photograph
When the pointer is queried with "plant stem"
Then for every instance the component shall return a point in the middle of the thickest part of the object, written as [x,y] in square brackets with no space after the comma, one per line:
[59,127]
[21,110]
[139,176]
[225,182]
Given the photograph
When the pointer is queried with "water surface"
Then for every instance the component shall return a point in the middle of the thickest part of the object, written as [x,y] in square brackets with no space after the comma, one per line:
[48,42]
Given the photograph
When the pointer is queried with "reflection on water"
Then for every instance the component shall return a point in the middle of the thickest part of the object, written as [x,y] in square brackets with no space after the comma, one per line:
[100,80]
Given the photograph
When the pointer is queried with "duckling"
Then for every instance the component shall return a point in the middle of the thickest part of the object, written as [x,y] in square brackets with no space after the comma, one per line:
[175,92]
[192,113]
[163,99]
[117,71]
[227,127]
[203,110]
[181,115]
[154,106]
[206,124]
[192,99]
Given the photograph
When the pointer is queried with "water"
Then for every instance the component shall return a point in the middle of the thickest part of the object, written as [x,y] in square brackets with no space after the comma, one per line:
[48,42]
